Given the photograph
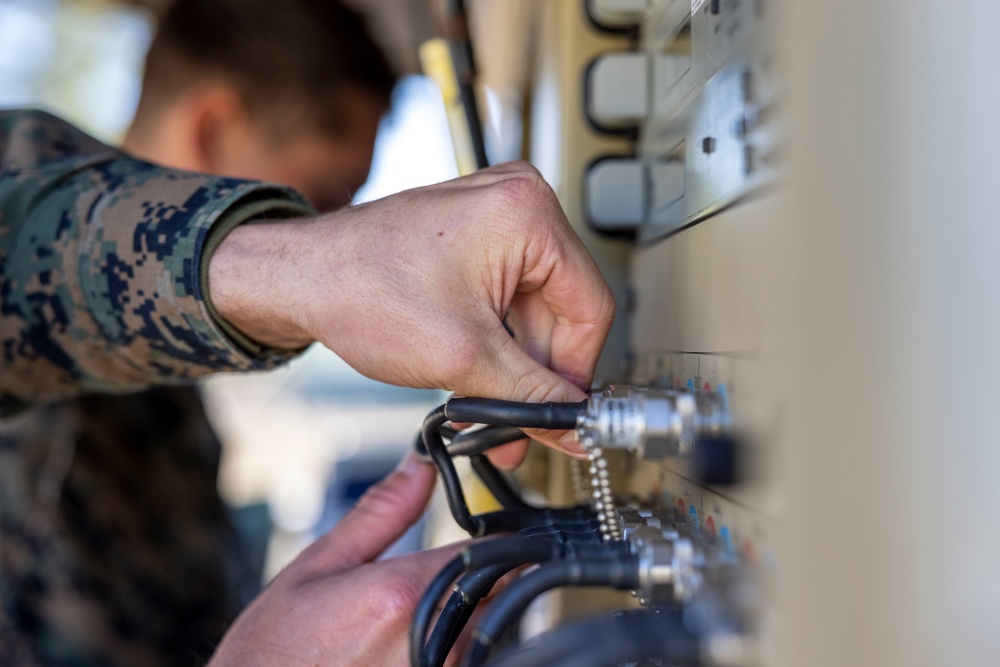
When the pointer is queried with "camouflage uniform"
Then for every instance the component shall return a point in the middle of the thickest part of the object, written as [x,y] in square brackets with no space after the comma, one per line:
[113,540]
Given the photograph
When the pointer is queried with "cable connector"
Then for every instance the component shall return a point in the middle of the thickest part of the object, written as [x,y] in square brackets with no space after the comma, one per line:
[668,567]
[653,423]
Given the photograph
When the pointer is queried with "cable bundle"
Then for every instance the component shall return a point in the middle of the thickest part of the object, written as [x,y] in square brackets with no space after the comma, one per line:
[505,418]
[565,545]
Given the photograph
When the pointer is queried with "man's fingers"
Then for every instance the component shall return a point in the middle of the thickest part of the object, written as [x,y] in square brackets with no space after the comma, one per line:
[532,322]
[580,306]
[382,515]
[582,323]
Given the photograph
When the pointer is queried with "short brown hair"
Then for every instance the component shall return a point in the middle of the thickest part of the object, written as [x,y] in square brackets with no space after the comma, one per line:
[300,53]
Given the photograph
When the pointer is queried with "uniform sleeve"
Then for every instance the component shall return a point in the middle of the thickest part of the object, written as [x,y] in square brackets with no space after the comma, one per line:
[103,266]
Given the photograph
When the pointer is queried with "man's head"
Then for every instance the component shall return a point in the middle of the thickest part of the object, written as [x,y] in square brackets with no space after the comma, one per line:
[289,92]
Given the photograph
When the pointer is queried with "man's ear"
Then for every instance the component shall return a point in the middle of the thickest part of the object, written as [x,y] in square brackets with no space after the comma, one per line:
[218,128]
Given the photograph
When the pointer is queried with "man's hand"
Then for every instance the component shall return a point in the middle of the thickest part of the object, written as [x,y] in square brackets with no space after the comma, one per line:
[413,289]
[335,606]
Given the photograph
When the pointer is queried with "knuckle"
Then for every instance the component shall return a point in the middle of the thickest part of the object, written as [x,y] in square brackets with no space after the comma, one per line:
[526,190]
[397,598]
[527,168]
[512,167]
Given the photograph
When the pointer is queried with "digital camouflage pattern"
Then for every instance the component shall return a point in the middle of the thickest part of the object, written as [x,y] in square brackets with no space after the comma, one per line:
[114,545]
[100,258]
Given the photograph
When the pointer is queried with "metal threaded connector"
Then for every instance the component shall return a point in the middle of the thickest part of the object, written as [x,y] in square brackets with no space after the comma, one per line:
[652,423]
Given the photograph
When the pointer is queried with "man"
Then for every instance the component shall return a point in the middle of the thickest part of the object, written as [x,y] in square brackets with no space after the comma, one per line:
[229,88]
[118,275]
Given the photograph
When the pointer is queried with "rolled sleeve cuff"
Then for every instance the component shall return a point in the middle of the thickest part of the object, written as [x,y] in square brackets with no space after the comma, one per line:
[146,283]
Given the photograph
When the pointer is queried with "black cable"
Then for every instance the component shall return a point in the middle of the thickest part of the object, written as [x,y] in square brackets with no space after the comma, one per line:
[428,602]
[469,590]
[471,445]
[517,519]
[609,641]
[472,442]
[550,646]
[571,523]
[514,550]
[580,539]
[536,415]
[478,441]
[559,416]
[511,551]
[435,448]
[578,532]
[584,542]
[620,572]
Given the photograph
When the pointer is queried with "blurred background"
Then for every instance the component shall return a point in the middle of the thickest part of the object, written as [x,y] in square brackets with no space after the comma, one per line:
[789,199]
[301,443]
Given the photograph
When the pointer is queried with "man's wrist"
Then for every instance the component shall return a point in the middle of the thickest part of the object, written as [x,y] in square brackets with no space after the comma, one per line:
[250,286]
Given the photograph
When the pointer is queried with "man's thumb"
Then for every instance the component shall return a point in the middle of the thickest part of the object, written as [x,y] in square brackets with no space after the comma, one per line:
[385,511]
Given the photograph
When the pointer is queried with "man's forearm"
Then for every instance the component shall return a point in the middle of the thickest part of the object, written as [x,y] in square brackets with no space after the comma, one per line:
[100,266]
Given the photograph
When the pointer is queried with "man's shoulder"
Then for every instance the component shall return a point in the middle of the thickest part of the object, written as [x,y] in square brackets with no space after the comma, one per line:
[33,137]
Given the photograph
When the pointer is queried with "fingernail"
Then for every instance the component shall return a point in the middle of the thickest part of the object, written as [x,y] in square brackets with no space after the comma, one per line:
[569,443]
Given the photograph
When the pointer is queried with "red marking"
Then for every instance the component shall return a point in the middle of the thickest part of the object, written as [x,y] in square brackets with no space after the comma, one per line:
[677,382]
[707,387]
[710,527]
